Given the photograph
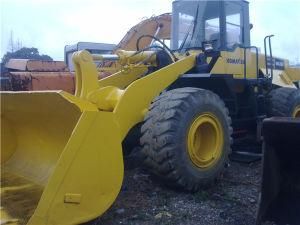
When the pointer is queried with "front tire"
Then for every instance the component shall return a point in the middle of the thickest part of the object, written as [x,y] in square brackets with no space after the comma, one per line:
[186,138]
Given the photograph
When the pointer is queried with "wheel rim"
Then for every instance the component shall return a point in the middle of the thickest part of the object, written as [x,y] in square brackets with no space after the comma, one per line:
[205,140]
[296,113]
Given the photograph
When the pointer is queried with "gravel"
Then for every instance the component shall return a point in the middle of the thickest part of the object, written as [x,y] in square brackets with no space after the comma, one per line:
[143,200]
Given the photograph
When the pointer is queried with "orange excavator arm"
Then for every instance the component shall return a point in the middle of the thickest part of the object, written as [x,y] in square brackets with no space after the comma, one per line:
[158,26]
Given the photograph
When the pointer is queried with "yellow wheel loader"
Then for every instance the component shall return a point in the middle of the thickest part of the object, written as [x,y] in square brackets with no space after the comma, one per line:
[61,154]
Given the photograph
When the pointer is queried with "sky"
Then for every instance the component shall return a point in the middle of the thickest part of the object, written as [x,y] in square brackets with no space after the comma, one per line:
[49,25]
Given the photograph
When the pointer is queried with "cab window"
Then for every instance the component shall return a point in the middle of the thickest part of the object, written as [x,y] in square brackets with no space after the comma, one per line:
[234,29]
[212,29]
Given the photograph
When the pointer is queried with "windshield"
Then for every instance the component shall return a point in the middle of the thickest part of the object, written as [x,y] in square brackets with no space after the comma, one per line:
[195,22]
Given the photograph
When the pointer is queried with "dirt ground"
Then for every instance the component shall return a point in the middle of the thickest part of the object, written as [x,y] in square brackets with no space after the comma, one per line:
[145,201]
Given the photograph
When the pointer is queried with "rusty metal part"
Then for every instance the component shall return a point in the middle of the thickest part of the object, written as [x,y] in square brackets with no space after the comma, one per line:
[36,81]
[36,65]
[17,64]
[34,75]
[5,83]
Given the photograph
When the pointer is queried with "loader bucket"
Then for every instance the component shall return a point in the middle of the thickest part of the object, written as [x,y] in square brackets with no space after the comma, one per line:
[280,190]
[61,159]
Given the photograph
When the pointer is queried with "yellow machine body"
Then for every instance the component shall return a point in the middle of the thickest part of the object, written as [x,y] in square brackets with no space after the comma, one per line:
[233,63]
[61,155]
[57,147]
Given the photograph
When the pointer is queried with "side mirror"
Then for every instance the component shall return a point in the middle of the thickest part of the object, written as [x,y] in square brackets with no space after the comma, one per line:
[251,26]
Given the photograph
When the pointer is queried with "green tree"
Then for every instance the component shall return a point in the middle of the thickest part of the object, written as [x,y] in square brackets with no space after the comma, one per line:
[25,53]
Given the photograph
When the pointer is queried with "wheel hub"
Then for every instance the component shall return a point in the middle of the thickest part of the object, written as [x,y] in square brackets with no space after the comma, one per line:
[205,140]
[296,113]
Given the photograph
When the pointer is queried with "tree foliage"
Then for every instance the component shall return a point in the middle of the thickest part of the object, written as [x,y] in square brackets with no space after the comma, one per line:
[25,53]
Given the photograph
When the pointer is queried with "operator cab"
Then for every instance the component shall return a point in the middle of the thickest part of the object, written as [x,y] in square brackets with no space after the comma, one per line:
[225,24]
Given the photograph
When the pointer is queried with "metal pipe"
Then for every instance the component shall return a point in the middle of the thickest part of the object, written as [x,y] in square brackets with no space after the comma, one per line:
[266,57]
[155,35]
[248,153]
[271,56]
[110,57]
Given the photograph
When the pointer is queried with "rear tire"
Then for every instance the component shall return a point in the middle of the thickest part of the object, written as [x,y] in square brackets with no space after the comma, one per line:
[169,128]
[284,102]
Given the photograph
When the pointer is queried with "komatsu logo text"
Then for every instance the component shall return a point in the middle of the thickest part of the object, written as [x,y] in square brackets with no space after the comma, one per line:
[235,61]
